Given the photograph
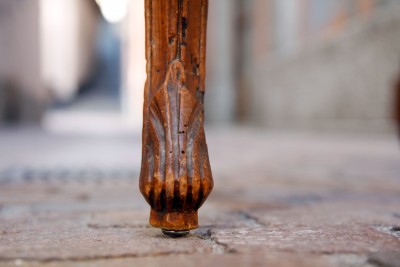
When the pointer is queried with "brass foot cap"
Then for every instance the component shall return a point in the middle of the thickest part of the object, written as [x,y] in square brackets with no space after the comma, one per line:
[174,221]
[175,234]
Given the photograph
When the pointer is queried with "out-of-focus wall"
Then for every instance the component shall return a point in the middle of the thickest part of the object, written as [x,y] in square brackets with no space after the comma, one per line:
[68,33]
[334,71]
[22,97]
[303,64]
[221,56]
[46,51]
[134,74]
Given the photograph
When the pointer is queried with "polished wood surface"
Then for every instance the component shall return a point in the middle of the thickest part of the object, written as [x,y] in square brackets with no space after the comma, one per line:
[175,174]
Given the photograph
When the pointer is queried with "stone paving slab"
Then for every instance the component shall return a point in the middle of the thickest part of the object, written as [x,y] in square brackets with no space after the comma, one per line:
[270,259]
[284,200]
[324,229]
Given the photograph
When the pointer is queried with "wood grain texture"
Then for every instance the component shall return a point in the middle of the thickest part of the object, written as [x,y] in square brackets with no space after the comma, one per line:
[175,174]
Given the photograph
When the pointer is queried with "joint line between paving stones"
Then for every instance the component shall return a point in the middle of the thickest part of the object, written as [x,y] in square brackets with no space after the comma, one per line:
[376,263]
[96,258]
[217,246]
[251,218]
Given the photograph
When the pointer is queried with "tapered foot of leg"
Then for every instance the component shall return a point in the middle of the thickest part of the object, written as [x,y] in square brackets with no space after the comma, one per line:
[175,177]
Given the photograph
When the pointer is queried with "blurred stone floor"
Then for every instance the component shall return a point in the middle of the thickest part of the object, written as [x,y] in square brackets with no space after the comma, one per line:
[280,199]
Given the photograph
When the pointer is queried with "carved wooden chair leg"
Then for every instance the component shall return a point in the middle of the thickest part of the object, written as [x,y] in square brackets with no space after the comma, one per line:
[175,176]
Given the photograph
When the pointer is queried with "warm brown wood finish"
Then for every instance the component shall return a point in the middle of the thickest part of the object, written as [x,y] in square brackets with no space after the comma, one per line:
[175,176]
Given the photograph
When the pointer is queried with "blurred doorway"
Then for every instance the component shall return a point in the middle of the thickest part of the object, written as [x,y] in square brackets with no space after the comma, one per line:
[83,45]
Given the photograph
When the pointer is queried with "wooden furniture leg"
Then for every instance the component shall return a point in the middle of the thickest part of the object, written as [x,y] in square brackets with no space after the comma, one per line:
[175,176]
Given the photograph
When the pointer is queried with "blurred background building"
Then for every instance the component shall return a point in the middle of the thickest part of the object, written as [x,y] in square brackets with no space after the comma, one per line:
[78,65]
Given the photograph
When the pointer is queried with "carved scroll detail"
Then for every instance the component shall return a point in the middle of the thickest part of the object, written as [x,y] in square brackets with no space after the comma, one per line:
[176,177]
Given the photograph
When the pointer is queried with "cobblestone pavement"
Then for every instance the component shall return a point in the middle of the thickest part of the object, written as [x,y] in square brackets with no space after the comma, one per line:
[279,200]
